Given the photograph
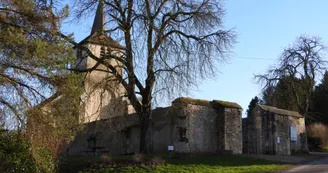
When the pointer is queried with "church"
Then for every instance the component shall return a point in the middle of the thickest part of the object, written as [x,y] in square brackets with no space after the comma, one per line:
[111,125]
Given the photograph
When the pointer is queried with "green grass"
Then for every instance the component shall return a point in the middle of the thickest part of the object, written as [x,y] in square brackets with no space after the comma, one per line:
[206,164]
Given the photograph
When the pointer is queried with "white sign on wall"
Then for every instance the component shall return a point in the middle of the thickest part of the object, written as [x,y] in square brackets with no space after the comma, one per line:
[293,133]
[170,148]
[278,140]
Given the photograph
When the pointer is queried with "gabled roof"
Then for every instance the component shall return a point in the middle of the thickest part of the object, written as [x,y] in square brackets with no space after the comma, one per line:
[279,111]
[101,39]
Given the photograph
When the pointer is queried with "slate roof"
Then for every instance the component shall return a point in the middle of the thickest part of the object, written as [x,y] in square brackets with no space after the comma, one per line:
[280,111]
[101,39]
[97,35]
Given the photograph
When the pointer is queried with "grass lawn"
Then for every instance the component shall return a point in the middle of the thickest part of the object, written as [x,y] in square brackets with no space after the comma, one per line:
[206,164]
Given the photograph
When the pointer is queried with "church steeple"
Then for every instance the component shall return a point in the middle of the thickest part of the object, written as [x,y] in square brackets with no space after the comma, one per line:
[97,35]
[99,21]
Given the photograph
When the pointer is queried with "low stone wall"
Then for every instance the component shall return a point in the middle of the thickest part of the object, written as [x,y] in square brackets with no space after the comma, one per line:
[190,125]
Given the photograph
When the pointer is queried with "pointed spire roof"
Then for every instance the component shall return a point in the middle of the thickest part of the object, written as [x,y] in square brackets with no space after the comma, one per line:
[99,21]
[97,35]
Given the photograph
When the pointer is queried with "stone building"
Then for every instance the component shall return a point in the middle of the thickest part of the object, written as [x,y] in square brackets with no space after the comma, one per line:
[103,97]
[270,130]
[189,125]
[111,126]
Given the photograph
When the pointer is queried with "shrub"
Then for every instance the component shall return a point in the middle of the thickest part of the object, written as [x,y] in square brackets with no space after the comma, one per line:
[15,155]
[318,131]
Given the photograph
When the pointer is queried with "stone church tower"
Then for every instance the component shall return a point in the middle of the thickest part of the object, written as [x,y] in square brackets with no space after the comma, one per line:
[103,96]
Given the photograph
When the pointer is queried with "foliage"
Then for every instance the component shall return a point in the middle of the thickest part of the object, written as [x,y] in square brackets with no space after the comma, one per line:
[32,59]
[298,69]
[204,164]
[252,105]
[282,95]
[33,66]
[320,99]
[319,131]
[15,155]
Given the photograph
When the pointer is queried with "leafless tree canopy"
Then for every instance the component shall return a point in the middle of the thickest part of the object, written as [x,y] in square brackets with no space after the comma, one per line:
[169,46]
[299,67]
[176,42]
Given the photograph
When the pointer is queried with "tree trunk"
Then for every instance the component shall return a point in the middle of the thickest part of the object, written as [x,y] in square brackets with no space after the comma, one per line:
[304,141]
[304,146]
[146,133]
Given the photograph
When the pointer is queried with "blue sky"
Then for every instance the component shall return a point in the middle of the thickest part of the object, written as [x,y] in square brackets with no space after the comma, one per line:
[264,29]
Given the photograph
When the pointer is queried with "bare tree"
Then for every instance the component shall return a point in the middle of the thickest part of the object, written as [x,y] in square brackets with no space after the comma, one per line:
[168,47]
[299,67]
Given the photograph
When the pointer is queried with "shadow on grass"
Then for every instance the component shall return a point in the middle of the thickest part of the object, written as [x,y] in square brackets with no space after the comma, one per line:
[220,161]
[79,163]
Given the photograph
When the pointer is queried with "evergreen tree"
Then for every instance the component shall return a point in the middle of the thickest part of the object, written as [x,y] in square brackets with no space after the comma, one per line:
[281,95]
[33,66]
[252,105]
[320,100]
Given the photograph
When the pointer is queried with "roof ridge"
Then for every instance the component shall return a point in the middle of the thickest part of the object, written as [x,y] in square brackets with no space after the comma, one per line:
[280,111]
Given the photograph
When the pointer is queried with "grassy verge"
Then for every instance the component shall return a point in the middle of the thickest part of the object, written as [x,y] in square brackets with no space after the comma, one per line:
[226,164]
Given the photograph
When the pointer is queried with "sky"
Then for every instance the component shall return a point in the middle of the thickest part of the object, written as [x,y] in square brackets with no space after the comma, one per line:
[264,28]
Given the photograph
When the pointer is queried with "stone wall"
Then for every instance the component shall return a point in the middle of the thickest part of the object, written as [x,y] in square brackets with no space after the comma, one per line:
[191,127]
[269,132]
[120,135]
[233,130]
[195,129]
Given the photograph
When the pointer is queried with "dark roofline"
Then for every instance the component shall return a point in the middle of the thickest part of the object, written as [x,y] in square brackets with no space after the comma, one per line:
[109,42]
[48,100]
[98,31]
[279,111]
[99,20]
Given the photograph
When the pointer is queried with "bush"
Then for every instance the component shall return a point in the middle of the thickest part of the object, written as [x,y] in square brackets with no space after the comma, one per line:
[15,155]
[318,133]
[44,160]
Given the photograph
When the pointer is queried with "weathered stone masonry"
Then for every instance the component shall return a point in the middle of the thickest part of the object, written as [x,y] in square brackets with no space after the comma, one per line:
[269,131]
[190,125]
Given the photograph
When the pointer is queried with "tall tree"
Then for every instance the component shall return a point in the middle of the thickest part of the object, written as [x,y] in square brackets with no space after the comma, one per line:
[33,65]
[252,105]
[31,60]
[320,100]
[299,65]
[281,95]
[169,47]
